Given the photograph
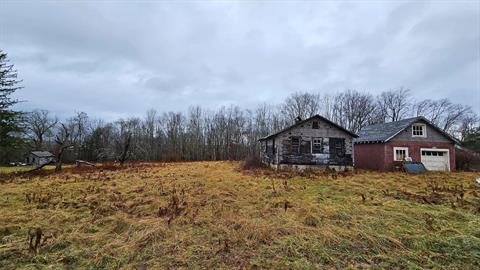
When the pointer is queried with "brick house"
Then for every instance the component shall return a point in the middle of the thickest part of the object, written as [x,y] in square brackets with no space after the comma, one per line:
[384,146]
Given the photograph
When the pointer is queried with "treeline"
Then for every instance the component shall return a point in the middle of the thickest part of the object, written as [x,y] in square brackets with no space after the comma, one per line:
[229,133]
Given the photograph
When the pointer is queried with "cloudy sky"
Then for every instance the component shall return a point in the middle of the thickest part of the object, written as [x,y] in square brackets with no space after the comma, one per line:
[118,58]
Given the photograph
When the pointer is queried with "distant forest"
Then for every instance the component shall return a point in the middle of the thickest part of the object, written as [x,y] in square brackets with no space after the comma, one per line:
[229,133]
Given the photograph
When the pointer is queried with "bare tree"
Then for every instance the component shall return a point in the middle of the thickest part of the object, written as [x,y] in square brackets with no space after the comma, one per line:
[98,141]
[63,141]
[445,114]
[327,104]
[454,115]
[233,133]
[301,105]
[39,124]
[434,110]
[469,125]
[124,139]
[125,144]
[353,109]
[394,105]
[195,136]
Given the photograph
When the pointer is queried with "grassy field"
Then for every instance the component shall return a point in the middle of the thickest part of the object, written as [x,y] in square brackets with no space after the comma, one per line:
[214,215]
[14,169]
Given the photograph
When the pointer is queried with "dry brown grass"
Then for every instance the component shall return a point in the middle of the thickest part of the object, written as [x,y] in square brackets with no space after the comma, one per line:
[214,215]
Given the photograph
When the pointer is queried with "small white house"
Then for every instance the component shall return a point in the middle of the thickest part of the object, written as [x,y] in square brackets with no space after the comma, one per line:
[38,158]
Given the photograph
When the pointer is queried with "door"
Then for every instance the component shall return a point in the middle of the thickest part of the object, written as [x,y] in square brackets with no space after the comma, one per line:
[435,159]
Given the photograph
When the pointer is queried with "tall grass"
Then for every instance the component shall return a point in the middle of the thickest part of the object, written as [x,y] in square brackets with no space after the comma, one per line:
[213,215]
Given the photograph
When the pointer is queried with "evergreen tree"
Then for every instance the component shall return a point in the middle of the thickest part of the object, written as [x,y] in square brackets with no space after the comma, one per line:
[10,120]
[472,139]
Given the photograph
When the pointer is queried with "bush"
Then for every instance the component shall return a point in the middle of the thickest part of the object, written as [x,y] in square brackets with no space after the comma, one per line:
[467,160]
[252,162]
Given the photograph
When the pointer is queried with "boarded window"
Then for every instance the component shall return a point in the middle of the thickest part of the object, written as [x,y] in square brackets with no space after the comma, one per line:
[295,145]
[337,147]
[305,147]
[315,125]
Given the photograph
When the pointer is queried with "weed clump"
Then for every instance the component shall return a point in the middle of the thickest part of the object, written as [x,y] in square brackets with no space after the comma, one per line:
[175,207]
[311,221]
[253,162]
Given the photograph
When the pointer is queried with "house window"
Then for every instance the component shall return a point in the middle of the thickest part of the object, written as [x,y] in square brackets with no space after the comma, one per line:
[317,145]
[295,145]
[419,130]
[315,125]
[432,153]
[400,153]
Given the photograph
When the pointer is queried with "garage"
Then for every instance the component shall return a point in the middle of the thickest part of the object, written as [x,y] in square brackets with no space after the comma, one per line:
[435,159]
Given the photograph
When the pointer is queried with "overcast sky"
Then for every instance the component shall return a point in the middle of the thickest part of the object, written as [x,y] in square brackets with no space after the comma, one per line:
[115,59]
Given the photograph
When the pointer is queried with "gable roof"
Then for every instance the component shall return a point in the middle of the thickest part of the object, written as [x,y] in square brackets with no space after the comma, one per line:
[384,132]
[42,154]
[305,121]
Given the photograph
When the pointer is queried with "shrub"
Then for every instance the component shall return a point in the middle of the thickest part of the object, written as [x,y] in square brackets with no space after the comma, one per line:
[467,160]
[252,162]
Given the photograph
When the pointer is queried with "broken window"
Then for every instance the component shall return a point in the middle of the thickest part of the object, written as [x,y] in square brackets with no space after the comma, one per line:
[315,125]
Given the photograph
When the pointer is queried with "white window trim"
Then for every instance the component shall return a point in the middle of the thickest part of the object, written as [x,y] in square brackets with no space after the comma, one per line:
[424,128]
[395,152]
[311,145]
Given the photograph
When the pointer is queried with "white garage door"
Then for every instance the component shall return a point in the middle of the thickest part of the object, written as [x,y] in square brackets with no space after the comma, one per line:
[435,159]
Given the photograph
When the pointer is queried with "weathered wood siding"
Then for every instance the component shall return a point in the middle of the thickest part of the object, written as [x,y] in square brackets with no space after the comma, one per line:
[268,151]
[432,135]
[336,146]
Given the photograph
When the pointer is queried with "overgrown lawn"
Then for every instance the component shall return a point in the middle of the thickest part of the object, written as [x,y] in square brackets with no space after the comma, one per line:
[214,215]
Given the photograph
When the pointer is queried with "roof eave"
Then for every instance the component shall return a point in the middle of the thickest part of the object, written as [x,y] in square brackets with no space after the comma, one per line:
[306,120]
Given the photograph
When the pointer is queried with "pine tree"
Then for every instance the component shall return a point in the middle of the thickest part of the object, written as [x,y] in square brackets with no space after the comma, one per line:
[10,120]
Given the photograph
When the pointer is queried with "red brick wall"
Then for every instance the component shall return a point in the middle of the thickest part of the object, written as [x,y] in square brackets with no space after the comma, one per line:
[380,156]
[414,151]
[369,156]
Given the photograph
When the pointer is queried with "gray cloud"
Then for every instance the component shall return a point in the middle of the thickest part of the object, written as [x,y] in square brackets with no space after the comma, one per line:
[114,59]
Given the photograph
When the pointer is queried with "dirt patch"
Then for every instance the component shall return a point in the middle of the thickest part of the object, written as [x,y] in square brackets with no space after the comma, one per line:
[432,198]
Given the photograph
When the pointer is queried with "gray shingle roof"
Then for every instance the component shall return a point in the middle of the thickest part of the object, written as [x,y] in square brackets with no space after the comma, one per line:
[385,131]
[42,154]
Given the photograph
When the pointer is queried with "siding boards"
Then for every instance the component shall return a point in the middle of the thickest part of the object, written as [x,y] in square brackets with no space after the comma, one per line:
[432,135]
[342,156]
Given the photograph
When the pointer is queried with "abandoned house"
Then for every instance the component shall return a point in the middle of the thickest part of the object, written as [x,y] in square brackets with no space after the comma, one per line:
[38,158]
[314,142]
[385,146]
